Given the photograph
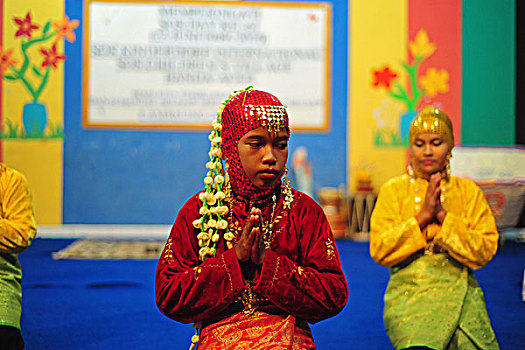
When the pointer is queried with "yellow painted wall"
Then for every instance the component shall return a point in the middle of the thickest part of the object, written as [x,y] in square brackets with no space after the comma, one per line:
[39,159]
[378,35]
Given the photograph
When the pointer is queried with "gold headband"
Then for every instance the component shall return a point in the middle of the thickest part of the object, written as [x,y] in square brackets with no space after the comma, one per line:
[433,121]
[274,117]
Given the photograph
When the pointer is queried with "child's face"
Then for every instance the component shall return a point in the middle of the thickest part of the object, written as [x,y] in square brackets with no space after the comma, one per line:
[263,155]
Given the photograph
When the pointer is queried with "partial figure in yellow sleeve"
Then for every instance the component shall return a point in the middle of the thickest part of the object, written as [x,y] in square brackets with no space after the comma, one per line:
[431,229]
[17,230]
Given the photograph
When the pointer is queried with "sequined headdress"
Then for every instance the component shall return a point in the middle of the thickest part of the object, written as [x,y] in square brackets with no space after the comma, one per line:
[245,111]
[432,120]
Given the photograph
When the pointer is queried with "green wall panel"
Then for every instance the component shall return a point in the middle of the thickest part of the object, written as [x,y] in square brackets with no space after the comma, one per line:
[489,32]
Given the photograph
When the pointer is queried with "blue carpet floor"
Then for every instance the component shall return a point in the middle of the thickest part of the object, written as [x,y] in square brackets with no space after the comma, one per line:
[79,305]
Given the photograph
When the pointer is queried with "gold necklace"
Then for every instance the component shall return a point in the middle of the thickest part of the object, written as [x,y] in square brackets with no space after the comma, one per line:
[266,227]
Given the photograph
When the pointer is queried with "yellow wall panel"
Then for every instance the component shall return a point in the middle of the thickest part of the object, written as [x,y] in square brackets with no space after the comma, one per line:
[40,162]
[40,159]
[378,35]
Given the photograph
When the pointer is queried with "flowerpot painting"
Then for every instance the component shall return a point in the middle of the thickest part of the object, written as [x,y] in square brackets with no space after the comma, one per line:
[405,100]
[34,118]
[39,57]
[404,124]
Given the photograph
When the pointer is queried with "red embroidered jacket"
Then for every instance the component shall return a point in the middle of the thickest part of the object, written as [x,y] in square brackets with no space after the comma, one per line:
[301,274]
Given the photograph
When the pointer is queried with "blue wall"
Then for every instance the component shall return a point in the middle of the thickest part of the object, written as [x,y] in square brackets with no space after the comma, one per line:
[144,177]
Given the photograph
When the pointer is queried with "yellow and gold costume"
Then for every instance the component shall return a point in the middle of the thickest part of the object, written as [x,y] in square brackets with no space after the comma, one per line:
[432,298]
[17,230]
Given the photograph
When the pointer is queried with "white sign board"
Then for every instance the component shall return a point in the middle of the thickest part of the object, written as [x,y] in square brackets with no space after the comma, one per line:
[486,164]
[170,64]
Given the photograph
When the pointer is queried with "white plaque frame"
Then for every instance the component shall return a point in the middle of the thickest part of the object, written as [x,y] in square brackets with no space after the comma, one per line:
[168,65]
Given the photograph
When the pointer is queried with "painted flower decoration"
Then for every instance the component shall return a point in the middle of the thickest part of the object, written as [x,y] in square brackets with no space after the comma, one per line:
[34,77]
[435,82]
[431,84]
[51,57]
[6,60]
[25,26]
[384,77]
[421,46]
[65,29]
[39,52]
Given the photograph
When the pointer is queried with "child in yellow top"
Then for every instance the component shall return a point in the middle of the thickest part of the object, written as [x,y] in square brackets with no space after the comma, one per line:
[17,230]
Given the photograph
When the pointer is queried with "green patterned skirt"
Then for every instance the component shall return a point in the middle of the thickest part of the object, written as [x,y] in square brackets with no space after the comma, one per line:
[10,290]
[434,301]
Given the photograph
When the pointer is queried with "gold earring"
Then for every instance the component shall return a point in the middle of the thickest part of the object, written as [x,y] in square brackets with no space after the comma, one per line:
[286,190]
[410,171]
[447,167]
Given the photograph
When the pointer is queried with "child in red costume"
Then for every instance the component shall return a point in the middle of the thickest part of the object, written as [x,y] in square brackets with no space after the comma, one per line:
[250,260]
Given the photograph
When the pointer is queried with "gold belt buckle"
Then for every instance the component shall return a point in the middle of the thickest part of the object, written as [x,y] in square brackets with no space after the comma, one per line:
[433,248]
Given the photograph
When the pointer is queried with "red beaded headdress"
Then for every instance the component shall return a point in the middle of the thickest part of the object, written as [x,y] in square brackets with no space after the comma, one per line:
[242,112]
[245,111]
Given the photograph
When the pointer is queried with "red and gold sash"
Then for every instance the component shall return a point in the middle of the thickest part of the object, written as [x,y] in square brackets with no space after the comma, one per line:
[257,332]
